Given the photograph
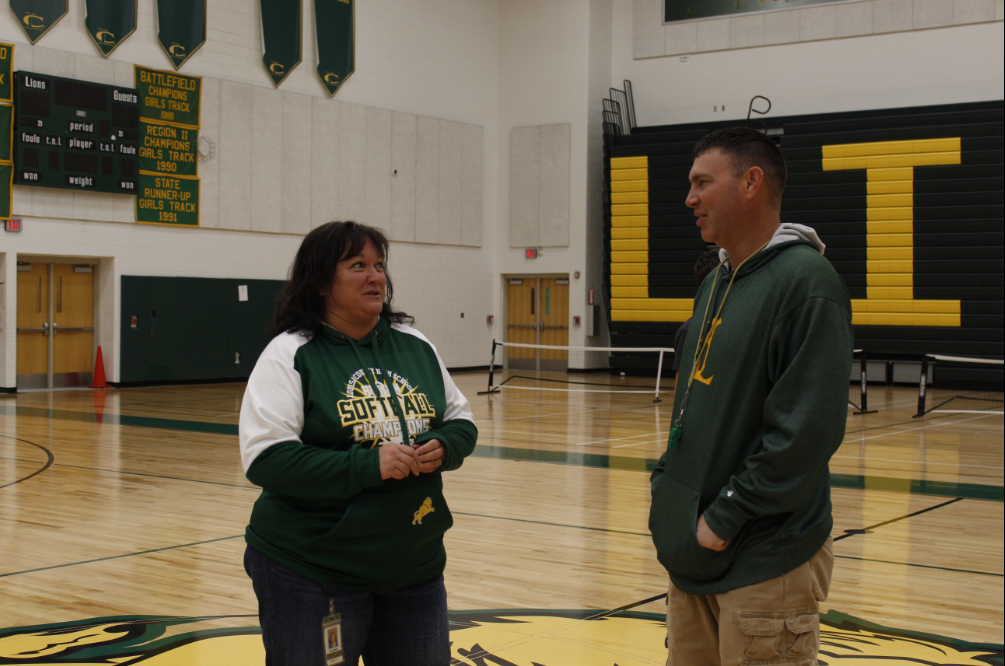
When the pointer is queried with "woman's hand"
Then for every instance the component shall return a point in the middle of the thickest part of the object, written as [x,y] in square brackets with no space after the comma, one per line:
[430,455]
[398,461]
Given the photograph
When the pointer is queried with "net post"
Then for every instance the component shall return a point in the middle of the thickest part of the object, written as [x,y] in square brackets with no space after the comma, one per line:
[863,407]
[922,386]
[492,366]
[864,377]
[659,374]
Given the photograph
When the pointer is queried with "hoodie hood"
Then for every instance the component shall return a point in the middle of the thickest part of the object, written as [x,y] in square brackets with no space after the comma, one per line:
[785,233]
[337,337]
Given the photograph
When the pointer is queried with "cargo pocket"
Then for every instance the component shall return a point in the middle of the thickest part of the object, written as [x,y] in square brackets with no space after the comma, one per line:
[806,629]
[762,638]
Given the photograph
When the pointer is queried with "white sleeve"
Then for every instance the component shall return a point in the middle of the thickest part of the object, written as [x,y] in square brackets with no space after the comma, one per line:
[273,406]
[457,405]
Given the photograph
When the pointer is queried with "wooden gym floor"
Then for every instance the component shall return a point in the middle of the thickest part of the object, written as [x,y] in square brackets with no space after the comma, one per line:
[122,515]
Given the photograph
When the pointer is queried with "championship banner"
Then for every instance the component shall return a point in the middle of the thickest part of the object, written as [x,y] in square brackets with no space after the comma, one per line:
[6,133]
[166,97]
[169,135]
[168,149]
[282,34]
[37,16]
[6,128]
[109,22]
[335,26]
[168,200]
[7,73]
[181,28]
[6,186]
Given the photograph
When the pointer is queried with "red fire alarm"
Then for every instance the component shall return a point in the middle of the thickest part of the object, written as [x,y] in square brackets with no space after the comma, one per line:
[489,319]
[530,253]
[575,320]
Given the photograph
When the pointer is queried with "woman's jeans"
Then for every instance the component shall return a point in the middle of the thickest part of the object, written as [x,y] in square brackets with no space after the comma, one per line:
[403,627]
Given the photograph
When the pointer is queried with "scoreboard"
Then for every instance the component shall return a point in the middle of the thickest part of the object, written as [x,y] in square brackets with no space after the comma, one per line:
[75,134]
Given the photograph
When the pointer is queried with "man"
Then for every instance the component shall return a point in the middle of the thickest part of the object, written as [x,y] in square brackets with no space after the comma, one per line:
[741,512]
[706,263]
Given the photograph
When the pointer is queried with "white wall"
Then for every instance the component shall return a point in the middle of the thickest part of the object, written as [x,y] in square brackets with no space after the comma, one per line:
[913,68]
[545,48]
[435,63]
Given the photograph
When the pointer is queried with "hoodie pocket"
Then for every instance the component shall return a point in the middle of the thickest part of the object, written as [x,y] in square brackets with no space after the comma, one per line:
[673,522]
[408,525]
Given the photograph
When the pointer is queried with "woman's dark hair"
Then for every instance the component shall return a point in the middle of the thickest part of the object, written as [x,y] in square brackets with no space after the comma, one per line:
[302,304]
[707,261]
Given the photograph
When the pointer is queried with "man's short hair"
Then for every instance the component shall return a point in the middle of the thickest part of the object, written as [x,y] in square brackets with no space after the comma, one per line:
[748,148]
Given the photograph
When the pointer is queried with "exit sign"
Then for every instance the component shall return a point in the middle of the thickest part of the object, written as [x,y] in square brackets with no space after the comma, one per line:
[13,225]
[530,253]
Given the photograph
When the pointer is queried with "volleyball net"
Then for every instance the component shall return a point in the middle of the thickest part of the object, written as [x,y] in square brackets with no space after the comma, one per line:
[639,370]
[947,399]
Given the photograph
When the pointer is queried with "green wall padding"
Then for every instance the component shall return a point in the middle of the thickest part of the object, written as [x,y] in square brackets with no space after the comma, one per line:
[192,328]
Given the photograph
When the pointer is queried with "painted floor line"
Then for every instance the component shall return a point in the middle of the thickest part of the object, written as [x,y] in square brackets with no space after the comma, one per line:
[924,427]
[921,566]
[118,557]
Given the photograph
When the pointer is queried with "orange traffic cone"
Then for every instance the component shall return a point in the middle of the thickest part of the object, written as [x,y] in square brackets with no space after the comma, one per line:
[98,378]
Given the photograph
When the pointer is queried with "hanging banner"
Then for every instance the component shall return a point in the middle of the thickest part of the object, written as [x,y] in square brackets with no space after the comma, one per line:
[168,200]
[181,28]
[7,73]
[166,97]
[169,135]
[335,26]
[6,186]
[168,149]
[6,128]
[109,22]
[282,34]
[6,133]
[37,16]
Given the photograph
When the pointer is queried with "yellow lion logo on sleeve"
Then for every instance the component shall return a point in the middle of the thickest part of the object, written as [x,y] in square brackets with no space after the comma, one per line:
[424,510]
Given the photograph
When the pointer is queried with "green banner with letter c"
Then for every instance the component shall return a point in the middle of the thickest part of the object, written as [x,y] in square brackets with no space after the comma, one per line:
[181,28]
[109,22]
[282,33]
[335,26]
[36,17]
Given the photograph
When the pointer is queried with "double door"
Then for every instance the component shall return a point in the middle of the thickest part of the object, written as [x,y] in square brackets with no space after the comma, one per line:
[538,314]
[55,325]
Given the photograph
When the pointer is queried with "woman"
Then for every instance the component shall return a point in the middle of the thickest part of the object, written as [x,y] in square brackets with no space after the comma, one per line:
[348,420]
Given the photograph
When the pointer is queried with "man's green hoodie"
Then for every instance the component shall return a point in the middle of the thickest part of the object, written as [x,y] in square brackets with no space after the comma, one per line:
[766,411]
[314,415]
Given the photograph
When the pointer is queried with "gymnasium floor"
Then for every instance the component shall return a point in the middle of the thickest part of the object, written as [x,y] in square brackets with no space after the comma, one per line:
[122,515]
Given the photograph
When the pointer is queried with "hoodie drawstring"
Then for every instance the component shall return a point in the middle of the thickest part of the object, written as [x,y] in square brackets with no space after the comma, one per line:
[393,398]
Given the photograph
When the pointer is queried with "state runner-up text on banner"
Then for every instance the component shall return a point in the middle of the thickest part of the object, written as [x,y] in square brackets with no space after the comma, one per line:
[168,200]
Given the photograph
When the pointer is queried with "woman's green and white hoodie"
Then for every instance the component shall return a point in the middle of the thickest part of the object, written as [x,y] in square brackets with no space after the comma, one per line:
[314,415]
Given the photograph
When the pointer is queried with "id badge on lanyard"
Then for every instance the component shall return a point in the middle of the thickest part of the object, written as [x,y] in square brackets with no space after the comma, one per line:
[331,634]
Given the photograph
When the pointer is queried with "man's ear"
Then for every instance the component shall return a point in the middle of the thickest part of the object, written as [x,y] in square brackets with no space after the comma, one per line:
[753,181]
